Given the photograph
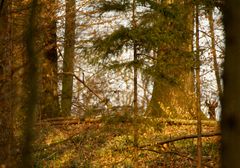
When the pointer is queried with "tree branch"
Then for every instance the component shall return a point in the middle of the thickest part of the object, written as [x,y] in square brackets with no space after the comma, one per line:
[84,84]
[182,138]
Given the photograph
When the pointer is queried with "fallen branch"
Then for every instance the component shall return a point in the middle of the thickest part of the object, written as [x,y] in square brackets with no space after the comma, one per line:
[185,122]
[77,120]
[59,119]
[68,121]
[182,138]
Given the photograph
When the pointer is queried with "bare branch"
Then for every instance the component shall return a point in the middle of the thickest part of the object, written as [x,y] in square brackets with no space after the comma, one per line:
[84,84]
[182,138]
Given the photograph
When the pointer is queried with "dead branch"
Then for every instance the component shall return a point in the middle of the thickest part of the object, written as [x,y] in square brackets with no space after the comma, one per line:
[59,119]
[84,84]
[182,138]
[67,121]
[186,122]
[76,120]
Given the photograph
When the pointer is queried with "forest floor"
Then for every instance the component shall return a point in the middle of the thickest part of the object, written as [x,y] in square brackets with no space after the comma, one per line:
[108,142]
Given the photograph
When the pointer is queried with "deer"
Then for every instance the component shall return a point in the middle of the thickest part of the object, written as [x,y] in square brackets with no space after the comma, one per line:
[212,105]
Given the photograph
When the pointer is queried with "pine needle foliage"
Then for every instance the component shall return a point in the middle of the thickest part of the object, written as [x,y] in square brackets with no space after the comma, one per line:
[160,8]
[112,44]
[116,5]
[158,26]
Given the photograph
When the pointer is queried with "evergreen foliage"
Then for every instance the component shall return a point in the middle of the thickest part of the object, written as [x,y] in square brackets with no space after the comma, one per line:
[140,50]
[158,26]
[116,5]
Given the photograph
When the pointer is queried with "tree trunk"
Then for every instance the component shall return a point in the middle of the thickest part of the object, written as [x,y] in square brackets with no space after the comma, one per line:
[6,119]
[198,93]
[230,123]
[173,90]
[49,102]
[214,53]
[31,86]
[135,94]
[68,65]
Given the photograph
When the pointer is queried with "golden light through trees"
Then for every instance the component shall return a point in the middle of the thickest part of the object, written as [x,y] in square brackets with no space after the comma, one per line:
[110,83]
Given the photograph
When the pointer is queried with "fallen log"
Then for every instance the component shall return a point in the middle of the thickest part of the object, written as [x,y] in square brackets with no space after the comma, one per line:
[67,121]
[78,120]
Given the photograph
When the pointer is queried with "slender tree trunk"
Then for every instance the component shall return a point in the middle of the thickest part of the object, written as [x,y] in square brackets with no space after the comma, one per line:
[135,88]
[135,77]
[198,94]
[214,53]
[6,120]
[68,65]
[49,101]
[135,97]
[230,123]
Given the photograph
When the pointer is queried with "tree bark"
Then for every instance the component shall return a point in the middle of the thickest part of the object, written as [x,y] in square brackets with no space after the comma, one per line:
[31,87]
[135,88]
[198,93]
[135,95]
[173,90]
[230,123]
[68,60]
[49,101]
[214,53]
[6,118]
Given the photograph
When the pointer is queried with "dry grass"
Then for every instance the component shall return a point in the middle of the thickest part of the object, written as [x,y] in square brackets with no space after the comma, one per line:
[109,143]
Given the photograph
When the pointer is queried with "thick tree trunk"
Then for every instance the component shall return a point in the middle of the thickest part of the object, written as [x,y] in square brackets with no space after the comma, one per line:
[49,101]
[68,61]
[173,90]
[230,122]
[6,120]
[31,84]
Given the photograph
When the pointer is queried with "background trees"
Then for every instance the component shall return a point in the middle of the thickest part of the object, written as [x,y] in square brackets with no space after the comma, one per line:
[138,61]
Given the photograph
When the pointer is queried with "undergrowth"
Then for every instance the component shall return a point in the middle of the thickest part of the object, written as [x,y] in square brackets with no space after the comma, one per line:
[109,143]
